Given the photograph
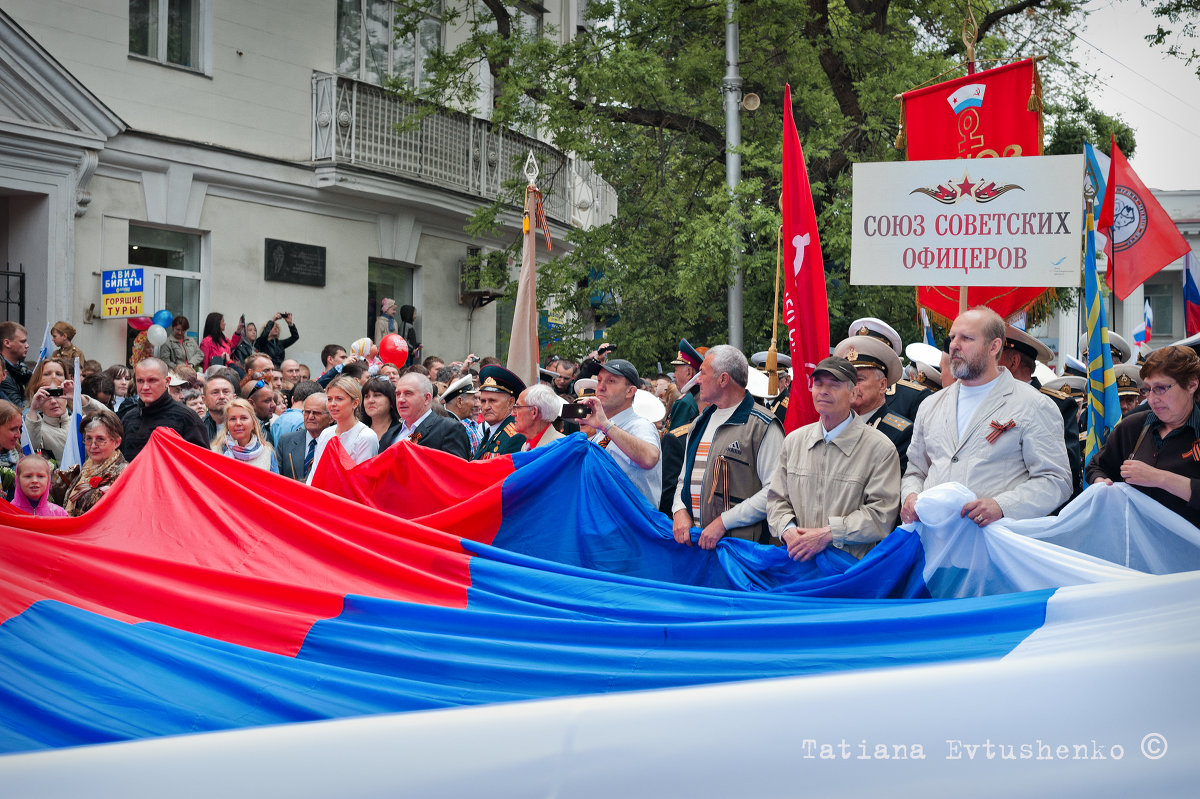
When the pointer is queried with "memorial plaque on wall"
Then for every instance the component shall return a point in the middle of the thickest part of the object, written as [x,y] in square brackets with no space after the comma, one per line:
[292,262]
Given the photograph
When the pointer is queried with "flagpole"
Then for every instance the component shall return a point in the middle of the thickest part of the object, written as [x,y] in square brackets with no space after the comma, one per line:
[773,352]
[970,33]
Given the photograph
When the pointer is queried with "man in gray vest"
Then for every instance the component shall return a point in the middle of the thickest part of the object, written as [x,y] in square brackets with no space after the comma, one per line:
[731,452]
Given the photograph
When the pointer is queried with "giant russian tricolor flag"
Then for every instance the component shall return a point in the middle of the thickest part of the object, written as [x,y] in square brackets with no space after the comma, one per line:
[205,596]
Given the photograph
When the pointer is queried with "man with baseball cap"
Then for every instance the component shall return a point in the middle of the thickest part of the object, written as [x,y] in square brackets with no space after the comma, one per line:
[498,392]
[839,480]
[878,368]
[631,440]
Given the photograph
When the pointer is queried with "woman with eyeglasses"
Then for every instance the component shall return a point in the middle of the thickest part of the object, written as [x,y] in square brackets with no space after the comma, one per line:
[80,488]
[343,396]
[1158,450]
[241,437]
[378,411]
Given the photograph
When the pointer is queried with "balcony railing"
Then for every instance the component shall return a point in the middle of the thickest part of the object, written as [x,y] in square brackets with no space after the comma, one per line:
[361,124]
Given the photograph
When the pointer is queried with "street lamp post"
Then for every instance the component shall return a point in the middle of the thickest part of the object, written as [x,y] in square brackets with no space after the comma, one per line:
[731,87]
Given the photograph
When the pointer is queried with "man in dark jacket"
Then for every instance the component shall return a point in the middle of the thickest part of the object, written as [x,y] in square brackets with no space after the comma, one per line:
[414,400]
[156,408]
[268,341]
[14,345]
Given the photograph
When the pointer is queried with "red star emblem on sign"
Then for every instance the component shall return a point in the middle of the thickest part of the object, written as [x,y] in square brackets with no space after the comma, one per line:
[964,188]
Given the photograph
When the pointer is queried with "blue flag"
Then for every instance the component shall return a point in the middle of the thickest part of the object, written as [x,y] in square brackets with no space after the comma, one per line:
[928,329]
[47,345]
[73,449]
[1104,407]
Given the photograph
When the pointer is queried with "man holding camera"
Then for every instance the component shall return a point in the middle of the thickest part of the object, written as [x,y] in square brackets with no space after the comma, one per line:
[268,341]
[631,440]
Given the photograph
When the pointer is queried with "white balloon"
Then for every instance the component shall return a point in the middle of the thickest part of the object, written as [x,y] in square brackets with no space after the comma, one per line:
[157,335]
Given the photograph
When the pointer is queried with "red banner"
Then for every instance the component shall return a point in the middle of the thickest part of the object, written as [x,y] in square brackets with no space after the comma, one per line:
[1141,235]
[984,115]
[805,304]
[991,114]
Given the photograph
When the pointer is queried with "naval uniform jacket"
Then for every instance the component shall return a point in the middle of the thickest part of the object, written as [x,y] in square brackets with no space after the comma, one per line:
[504,441]
[896,427]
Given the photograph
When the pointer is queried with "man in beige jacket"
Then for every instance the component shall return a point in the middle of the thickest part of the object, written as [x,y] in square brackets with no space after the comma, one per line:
[999,437]
[839,480]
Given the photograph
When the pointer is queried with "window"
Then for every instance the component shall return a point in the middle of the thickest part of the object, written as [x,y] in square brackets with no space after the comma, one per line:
[1161,297]
[367,47]
[171,261]
[168,31]
[393,280]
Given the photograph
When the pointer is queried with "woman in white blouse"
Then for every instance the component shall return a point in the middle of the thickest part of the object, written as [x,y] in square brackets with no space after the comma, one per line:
[344,395]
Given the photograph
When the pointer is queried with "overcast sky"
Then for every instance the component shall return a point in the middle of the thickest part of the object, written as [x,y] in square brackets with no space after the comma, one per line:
[1154,93]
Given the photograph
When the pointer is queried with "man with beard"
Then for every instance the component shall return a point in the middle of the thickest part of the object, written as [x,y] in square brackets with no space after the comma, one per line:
[1000,438]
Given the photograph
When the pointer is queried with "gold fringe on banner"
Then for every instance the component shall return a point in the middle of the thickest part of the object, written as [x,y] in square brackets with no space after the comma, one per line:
[1036,310]
[1035,92]
[900,129]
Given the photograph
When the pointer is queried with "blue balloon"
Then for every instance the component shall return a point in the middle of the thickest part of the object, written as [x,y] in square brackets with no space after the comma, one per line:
[164,318]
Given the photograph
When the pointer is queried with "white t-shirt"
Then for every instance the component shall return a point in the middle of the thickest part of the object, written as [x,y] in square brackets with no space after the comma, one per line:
[970,398]
[359,441]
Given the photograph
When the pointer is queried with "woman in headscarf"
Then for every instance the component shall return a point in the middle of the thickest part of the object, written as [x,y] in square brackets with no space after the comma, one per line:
[408,331]
[386,322]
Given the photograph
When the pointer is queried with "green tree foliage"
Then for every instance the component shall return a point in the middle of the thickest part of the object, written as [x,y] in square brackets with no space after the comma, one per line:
[637,92]
[1178,28]
[1076,122]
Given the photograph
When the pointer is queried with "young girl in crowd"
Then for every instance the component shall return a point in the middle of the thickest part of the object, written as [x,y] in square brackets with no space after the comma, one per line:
[33,481]
[241,438]
[121,377]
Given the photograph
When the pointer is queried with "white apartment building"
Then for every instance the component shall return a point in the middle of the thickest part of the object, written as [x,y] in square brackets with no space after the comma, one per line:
[242,155]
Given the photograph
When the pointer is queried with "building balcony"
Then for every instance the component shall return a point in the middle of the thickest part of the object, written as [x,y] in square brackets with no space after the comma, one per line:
[360,124]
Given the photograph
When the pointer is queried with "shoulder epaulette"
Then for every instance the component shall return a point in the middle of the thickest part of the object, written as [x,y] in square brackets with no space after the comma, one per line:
[763,415]
[912,385]
[897,421]
[1053,392]
[510,429]
[784,402]
[682,430]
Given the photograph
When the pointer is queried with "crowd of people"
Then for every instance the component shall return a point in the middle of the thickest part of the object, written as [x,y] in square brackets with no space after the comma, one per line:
[699,444]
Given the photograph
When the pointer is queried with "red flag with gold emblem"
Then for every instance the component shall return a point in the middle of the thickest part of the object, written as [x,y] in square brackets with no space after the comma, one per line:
[991,114]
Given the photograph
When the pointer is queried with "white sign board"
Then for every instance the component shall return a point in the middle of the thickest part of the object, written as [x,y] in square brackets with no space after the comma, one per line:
[968,222]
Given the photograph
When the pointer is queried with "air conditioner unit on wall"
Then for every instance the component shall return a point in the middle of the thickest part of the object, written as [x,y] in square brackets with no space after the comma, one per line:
[469,288]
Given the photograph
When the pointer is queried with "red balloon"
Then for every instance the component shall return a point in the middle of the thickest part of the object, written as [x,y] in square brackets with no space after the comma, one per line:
[393,349]
[140,322]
